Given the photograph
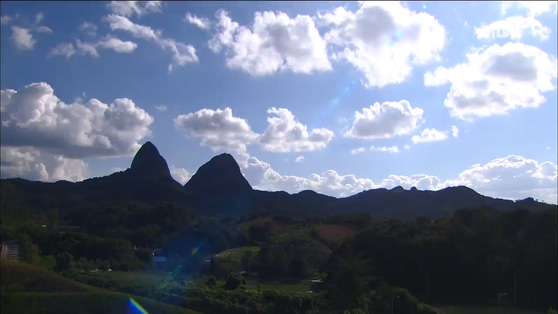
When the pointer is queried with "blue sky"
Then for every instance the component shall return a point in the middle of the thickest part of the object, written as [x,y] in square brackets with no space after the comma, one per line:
[336,97]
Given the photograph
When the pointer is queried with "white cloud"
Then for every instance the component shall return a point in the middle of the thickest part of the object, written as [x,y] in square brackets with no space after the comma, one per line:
[429,135]
[32,164]
[514,27]
[84,48]
[6,19]
[511,177]
[22,38]
[284,134]
[180,174]
[532,8]
[131,8]
[200,22]
[161,108]
[299,159]
[39,17]
[358,150]
[220,130]
[385,149]
[454,131]
[407,147]
[385,120]
[496,80]
[35,117]
[88,28]
[182,54]
[43,29]
[384,40]
[113,43]
[273,43]
[63,49]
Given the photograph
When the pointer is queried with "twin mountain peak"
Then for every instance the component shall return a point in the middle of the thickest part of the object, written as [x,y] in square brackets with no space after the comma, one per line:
[221,173]
[219,183]
[219,186]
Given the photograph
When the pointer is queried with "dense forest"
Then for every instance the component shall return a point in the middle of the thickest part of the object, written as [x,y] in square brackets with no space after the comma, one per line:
[276,252]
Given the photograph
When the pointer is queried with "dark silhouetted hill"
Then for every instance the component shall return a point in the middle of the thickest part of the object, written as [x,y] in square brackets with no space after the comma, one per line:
[148,180]
[218,186]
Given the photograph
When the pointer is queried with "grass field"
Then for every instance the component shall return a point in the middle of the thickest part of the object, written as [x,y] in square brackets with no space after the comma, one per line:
[484,310]
[147,278]
[27,289]
[236,254]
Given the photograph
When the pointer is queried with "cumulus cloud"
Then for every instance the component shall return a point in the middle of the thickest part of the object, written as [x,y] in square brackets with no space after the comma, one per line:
[386,120]
[430,135]
[30,163]
[532,8]
[88,28]
[284,134]
[131,8]
[383,40]
[496,80]
[454,131]
[385,149]
[220,130]
[108,42]
[299,159]
[200,22]
[35,117]
[511,177]
[6,19]
[274,42]
[161,108]
[22,38]
[182,54]
[515,27]
[358,150]
[514,177]
[180,174]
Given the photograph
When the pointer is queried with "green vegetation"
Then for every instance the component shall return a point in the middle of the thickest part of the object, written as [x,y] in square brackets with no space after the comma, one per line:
[484,310]
[28,289]
[237,254]
[265,262]
[136,277]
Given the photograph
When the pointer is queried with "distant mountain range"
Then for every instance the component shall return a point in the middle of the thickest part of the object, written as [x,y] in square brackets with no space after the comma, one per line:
[219,187]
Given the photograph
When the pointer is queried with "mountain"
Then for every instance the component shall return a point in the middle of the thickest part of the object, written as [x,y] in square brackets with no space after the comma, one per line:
[218,186]
[149,163]
[148,180]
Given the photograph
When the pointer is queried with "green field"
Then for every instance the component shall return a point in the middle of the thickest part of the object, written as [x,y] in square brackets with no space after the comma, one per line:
[28,289]
[236,254]
[146,278]
[483,310]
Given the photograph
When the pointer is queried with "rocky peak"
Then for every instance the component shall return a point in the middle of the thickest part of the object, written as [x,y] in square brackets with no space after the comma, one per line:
[148,162]
[220,175]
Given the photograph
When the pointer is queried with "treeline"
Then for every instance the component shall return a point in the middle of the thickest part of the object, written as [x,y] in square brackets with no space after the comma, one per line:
[476,256]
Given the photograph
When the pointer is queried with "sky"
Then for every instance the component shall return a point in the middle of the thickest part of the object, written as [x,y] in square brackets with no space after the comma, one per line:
[336,97]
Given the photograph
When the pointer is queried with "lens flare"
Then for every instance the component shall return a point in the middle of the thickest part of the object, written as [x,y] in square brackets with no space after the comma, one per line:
[135,307]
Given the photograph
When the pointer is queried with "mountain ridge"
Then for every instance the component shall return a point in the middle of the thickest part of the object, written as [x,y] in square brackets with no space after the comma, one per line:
[219,186]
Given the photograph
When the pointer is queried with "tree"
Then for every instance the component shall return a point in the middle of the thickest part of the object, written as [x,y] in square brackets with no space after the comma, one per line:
[64,261]
[247,260]
[52,220]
